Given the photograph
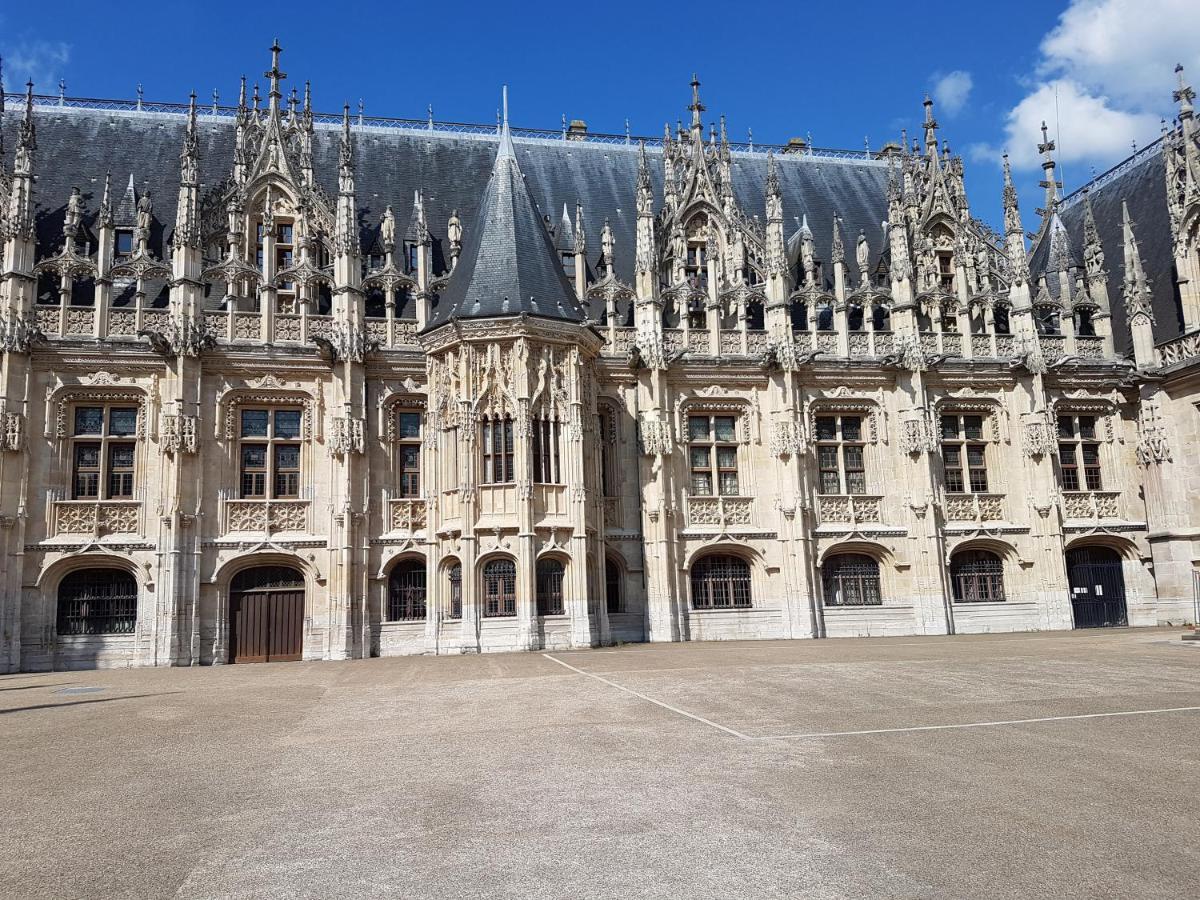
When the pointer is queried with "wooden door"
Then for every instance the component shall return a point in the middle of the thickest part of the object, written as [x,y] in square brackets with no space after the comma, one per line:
[266,626]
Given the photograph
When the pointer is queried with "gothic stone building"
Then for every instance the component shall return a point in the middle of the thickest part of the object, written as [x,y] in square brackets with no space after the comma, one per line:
[278,385]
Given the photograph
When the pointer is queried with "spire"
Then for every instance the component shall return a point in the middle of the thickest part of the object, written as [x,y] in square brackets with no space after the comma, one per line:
[187,210]
[242,110]
[772,188]
[645,191]
[580,232]
[1184,97]
[1,111]
[1138,299]
[1093,251]
[1049,182]
[27,137]
[697,108]
[930,126]
[346,155]
[105,216]
[508,264]
[1012,214]
[838,252]
[275,76]
[564,235]
[506,151]
[346,225]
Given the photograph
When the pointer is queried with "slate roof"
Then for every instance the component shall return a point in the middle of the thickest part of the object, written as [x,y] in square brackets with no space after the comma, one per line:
[77,147]
[1142,185]
[508,264]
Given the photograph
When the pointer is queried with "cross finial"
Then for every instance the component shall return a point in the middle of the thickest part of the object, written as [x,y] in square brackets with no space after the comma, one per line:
[696,107]
[1047,145]
[1184,95]
[274,74]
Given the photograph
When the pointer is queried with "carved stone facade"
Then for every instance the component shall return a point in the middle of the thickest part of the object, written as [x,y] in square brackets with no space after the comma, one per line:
[688,432]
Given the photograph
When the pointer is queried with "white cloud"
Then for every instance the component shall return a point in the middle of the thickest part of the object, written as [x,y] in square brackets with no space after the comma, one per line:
[1124,48]
[952,90]
[1090,128]
[1111,63]
[43,62]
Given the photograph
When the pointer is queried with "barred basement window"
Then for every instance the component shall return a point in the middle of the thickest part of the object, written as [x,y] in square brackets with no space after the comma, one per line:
[612,586]
[977,576]
[1078,449]
[964,454]
[406,591]
[851,579]
[496,442]
[455,578]
[408,432]
[102,452]
[720,582]
[270,453]
[840,449]
[547,469]
[500,588]
[550,588]
[97,601]
[712,455]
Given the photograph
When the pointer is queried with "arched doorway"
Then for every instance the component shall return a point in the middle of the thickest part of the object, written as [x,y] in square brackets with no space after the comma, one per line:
[1097,587]
[266,615]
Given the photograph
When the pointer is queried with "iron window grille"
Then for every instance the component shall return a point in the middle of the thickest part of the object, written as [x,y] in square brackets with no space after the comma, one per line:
[841,466]
[97,601]
[977,576]
[550,588]
[1079,453]
[851,579]
[102,452]
[713,455]
[499,588]
[267,578]
[406,592]
[456,595]
[721,582]
[964,454]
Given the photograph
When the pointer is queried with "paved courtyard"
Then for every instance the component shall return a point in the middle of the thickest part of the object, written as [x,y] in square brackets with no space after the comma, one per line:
[1002,766]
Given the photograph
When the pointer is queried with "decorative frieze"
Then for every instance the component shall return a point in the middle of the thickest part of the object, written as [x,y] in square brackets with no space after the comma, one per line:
[97,519]
[12,432]
[720,511]
[266,516]
[347,434]
[850,509]
[1038,435]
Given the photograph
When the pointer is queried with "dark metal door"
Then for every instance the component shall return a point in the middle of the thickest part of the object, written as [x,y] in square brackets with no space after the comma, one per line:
[1097,587]
[267,626]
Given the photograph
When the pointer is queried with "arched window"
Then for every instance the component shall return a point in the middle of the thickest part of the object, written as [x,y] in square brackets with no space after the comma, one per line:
[799,313]
[612,585]
[755,315]
[720,582]
[1085,323]
[550,588]
[455,578]
[97,601]
[977,576]
[406,591]
[851,579]
[500,588]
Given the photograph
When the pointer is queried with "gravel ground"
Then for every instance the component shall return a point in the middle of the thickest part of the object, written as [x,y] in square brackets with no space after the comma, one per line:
[837,768]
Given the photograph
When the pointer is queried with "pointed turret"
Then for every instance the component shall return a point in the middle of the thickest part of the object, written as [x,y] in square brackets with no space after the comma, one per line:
[1136,293]
[187,210]
[275,76]
[696,107]
[1049,182]
[1014,234]
[645,257]
[930,125]
[20,198]
[346,226]
[508,264]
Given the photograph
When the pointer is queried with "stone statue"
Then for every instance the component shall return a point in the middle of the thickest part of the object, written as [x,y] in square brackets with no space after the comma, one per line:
[387,229]
[454,229]
[145,212]
[862,252]
[74,214]
[607,242]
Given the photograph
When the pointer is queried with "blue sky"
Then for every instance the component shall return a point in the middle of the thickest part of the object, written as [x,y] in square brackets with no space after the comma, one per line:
[840,72]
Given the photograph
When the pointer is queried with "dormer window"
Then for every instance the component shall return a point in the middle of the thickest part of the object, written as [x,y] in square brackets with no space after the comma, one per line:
[411,255]
[568,263]
[124,244]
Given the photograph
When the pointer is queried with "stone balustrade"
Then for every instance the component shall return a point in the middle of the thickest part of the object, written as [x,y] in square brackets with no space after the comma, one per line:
[95,519]
[1180,349]
[1091,505]
[407,515]
[973,507]
[720,511]
[266,516]
[849,509]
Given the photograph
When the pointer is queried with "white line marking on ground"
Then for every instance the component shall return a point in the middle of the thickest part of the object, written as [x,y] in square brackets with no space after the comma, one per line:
[640,696]
[1103,715]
